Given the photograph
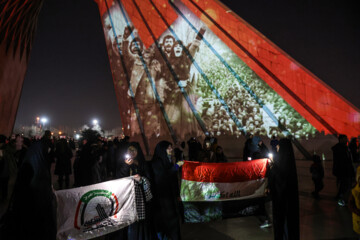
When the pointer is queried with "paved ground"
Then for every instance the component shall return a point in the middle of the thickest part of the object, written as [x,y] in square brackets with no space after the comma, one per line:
[320,219]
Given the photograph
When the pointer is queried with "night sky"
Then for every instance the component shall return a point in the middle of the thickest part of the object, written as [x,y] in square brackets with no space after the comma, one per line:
[69,78]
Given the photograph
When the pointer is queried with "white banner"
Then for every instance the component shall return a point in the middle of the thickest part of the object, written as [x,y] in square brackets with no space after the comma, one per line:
[96,210]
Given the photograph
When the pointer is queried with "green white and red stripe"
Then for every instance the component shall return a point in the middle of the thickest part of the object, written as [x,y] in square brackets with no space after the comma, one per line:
[223,181]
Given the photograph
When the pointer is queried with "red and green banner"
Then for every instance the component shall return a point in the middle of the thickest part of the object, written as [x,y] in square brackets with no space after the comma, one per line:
[223,181]
[213,191]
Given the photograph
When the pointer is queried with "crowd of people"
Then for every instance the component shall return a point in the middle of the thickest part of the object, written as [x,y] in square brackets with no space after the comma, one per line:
[248,110]
[97,160]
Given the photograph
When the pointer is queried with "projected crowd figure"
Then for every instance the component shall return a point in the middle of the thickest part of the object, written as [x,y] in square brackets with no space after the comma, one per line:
[158,74]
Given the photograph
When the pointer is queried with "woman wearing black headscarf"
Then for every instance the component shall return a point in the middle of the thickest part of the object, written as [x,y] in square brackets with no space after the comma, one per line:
[166,192]
[134,164]
[63,156]
[283,186]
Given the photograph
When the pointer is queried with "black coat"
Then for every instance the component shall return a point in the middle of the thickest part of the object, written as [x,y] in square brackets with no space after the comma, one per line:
[63,155]
[32,196]
[87,160]
[166,192]
[283,186]
[342,164]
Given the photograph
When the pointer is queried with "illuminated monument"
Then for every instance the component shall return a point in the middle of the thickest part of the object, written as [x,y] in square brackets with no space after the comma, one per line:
[191,68]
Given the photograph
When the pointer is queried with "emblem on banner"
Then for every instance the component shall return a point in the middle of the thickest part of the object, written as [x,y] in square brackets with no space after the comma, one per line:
[94,210]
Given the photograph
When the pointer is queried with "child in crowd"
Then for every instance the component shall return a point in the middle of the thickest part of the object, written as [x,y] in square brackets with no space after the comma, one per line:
[317,175]
[354,203]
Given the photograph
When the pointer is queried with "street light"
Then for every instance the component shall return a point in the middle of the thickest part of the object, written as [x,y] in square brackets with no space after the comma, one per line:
[95,122]
[44,121]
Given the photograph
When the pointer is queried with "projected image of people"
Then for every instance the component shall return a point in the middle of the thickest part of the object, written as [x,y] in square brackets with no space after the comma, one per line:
[189,77]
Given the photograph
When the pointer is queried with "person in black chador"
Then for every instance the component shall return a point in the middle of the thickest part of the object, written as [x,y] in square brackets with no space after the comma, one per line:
[206,154]
[261,151]
[342,168]
[273,143]
[219,155]
[135,165]
[247,146]
[33,196]
[283,188]
[317,175]
[166,192]
[121,168]
[179,152]
[63,155]
[88,158]
[194,148]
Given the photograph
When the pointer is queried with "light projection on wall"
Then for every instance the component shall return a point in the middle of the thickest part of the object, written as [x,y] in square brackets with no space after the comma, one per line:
[189,68]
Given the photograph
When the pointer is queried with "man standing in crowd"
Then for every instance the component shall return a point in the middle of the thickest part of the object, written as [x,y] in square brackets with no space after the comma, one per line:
[343,169]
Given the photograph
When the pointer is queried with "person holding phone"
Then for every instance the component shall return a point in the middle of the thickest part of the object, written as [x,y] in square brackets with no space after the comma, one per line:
[166,191]
[134,164]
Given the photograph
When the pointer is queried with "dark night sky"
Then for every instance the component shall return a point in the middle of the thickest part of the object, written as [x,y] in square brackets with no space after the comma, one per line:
[69,78]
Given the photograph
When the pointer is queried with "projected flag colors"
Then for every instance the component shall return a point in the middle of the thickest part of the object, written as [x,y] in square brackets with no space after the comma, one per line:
[189,68]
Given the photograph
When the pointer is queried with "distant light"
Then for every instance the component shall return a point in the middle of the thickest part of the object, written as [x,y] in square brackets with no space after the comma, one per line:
[270,155]
[60,133]
[77,136]
[95,122]
[44,120]
[249,158]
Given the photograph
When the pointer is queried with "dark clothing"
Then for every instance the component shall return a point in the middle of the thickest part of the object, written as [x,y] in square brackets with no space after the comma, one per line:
[247,153]
[251,148]
[342,164]
[220,158]
[7,167]
[273,144]
[283,186]
[194,148]
[206,156]
[87,165]
[33,185]
[342,169]
[354,149]
[166,193]
[262,152]
[63,155]
[179,154]
[122,169]
[77,171]
[110,160]
[317,175]
[143,229]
